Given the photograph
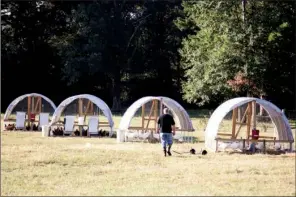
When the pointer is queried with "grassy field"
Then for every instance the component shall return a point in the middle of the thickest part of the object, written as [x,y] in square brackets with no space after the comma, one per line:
[33,165]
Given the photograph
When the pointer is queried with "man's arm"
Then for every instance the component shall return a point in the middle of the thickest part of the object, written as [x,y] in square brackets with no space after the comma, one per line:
[158,126]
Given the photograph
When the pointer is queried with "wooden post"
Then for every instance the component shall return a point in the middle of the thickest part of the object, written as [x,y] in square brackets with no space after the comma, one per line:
[40,105]
[239,114]
[91,108]
[249,121]
[234,115]
[143,116]
[29,111]
[33,104]
[254,114]
[80,107]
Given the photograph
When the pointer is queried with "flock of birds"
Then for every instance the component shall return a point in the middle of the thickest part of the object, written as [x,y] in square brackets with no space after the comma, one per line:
[11,127]
[60,132]
[57,131]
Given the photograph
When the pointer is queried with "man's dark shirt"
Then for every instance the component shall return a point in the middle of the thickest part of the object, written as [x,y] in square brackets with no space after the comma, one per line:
[166,121]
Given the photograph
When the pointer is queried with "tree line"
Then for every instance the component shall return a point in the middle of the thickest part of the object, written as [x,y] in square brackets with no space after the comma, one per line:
[199,53]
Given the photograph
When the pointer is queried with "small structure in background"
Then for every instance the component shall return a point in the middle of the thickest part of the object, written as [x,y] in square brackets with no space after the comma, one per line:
[215,140]
[151,109]
[32,111]
[87,112]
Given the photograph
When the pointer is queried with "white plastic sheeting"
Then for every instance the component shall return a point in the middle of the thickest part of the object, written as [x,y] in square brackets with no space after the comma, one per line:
[97,101]
[20,98]
[278,119]
[180,115]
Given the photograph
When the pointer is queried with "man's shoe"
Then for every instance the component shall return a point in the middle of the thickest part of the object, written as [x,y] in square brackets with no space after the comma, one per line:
[165,153]
[169,153]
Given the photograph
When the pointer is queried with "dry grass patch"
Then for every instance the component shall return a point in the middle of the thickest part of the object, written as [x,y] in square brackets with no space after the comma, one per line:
[32,165]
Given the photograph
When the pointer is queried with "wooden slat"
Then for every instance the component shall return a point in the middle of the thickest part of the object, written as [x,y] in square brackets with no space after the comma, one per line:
[104,125]
[36,105]
[9,119]
[234,116]
[225,134]
[269,137]
[80,107]
[239,114]
[33,105]
[91,108]
[104,122]
[40,105]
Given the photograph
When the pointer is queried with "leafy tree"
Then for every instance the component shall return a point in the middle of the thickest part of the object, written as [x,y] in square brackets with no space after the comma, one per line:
[27,58]
[99,41]
[230,56]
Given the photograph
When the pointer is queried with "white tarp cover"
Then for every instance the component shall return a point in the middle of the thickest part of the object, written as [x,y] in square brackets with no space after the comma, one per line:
[278,119]
[97,101]
[20,98]
[180,115]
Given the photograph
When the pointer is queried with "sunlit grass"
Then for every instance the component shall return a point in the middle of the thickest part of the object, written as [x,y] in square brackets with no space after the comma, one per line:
[32,165]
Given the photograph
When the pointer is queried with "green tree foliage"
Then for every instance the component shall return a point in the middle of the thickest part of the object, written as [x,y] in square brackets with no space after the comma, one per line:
[123,50]
[128,44]
[230,56]
[26,28]
[97,43]
[160,60]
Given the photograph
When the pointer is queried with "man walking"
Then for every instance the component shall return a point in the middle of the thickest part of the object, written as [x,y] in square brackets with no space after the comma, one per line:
[166,125]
